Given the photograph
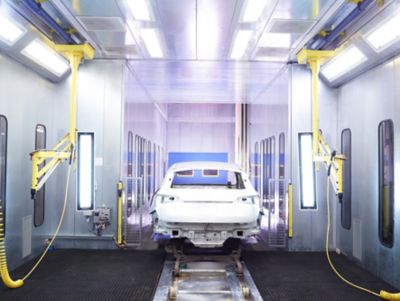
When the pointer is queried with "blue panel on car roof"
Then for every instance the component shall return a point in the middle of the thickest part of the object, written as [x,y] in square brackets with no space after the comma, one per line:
[197,177]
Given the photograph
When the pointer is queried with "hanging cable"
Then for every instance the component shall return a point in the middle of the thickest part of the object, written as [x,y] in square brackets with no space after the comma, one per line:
[383,294]
[5,276]
[57,229]
[3,259]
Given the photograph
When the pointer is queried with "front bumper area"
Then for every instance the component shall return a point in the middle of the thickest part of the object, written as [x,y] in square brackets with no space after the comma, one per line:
[207,235]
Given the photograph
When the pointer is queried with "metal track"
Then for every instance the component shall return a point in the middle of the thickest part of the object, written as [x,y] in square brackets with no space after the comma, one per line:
[202,277]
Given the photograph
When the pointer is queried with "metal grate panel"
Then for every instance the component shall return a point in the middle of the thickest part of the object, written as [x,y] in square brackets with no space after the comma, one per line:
[102,23]
[290,26]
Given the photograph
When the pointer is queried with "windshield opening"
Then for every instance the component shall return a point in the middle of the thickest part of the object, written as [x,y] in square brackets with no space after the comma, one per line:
[207,178]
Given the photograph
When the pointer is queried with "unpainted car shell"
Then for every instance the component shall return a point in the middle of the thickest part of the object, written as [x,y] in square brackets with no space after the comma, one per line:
[206,216]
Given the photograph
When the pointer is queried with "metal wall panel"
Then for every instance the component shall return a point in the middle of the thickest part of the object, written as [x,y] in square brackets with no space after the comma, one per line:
[266,121]
[309,226]
[100,110]
[147,120]
[27,99]
[201,128]
[363,103]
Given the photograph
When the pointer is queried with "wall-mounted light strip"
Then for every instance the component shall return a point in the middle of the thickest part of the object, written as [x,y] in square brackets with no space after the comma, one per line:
[386,34]
[85,187]
[151,40]
[38,52]
[307,172]
[240,43]
[253,10]
[10,32]
[140,9]
[348,59]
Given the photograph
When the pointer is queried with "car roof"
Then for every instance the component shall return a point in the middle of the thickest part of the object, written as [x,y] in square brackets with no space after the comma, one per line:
[205,165]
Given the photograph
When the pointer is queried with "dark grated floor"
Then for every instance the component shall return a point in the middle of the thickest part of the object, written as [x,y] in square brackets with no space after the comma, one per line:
[307,276]
[90,275]
[133,275]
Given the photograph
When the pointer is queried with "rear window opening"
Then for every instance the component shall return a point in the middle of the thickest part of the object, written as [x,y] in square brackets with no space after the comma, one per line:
[207,178]
[184,173]
[210,173]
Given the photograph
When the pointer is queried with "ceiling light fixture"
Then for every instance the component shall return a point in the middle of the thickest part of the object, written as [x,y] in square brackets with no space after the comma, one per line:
[9,31]
[208,34]
[345,61]
[150,39]
[385,34]
[38,52]
[276,40]
[253,10]
[140,9]
[240,44]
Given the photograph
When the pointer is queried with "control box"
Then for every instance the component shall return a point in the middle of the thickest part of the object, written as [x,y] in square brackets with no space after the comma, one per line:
[101,215]
[101,219]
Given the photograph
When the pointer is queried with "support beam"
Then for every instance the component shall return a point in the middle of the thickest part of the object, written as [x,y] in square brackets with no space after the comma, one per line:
[315,9]
[321,150]
[65,148]
[314,58]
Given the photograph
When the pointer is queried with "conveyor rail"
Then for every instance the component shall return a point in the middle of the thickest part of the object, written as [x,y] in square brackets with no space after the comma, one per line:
[206,277]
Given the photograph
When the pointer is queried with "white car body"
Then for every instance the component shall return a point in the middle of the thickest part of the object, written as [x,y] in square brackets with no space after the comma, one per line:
[207,215]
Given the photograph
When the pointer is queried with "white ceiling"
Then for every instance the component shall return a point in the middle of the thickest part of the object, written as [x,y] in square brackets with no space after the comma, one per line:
[196,38]
[206,82]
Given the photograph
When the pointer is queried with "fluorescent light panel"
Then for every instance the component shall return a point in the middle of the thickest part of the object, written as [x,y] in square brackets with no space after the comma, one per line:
[10,32]
[208,33]
[38,52]
[345,61]
[386,34]
[85,171]
[240,44]
[140,9]
[150,39]
[253,10]
[307,172]
[276,40]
